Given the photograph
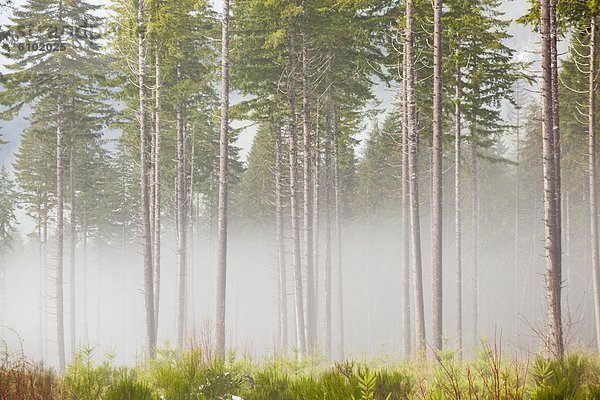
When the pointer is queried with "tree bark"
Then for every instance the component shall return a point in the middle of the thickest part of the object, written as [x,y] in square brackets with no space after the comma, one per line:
[593,183]
[156,226]
[308,190]
[60,148]
[327,212]
[279,226]
[458,204]
[181,223]
[223,186]
[414,183]
[406,321]
[72,244]
[296,259]
[475,236]
[338,233]
[554,337]
[436,234]
[316,219]
[144,186]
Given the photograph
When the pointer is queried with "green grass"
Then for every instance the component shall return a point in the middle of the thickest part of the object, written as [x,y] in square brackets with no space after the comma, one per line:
[191,374]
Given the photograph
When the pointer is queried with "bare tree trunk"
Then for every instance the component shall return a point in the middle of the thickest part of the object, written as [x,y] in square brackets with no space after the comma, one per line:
[73,244]
[414,183]
[406,322]
[41,283]
[554,343]
[517,205]
[144,177]
[283,316]
[338,232]
[308,189]
[296,259]
[157,187]
[556,124]
[436,234]
[85,275]
[458,205]
[181,224]
[475,236]
[60,148]
[316,221]
[223,185]
[327,210]
[593,189]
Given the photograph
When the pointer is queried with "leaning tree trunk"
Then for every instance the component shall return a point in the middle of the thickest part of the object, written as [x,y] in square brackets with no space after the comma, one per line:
[327,212]
[308,191]
[223,186]
[338,233]
[145,198]
[593,189]
[406,322]
[554,333]
[458,205]
[157,187]
[436,234]
[414,183]
[72,244]
[279,226]
[296,259]
[181,224]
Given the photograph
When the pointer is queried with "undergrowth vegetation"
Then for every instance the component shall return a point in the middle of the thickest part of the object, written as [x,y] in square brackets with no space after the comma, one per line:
[192,374]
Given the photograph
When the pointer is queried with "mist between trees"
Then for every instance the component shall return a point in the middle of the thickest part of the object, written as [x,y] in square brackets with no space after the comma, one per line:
[455,224]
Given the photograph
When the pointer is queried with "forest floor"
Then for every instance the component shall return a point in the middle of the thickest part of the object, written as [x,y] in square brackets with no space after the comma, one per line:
[194,374]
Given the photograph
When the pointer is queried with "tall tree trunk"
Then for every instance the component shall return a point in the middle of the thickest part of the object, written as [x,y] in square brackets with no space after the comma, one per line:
[436,234]
[556,125]
[223,185]
[279,226]
[316,218]
[554,338]
[144,186]
[296,259]
[60,148]
[308,189]
[72,244]
[475,236]
[338,232]
[42,271]
[327,212]
[458,204]
[593,189]
[157,187]
[414,183]
[85,275]
[406,321]
[181,224]
[516,239]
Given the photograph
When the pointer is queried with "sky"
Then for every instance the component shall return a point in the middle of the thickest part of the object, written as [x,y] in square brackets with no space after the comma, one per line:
[523,41]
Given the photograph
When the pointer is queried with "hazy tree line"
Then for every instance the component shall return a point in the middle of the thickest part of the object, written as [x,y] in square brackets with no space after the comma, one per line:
[306,71]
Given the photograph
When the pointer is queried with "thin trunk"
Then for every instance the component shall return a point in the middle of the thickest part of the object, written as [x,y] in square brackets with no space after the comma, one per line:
[73,244]
[41,284]
[414,183]
[593,189]
[157,187]
[60,148]
[475,237]
[316,221]
[436,234]
[279,198]
[308,190]
[517,206]
[223,186]
[144,186]
[406,322]
[85,275]
[181,224]
[338,233]
[296,259]
[458,205]
[327,211]
[554,343]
